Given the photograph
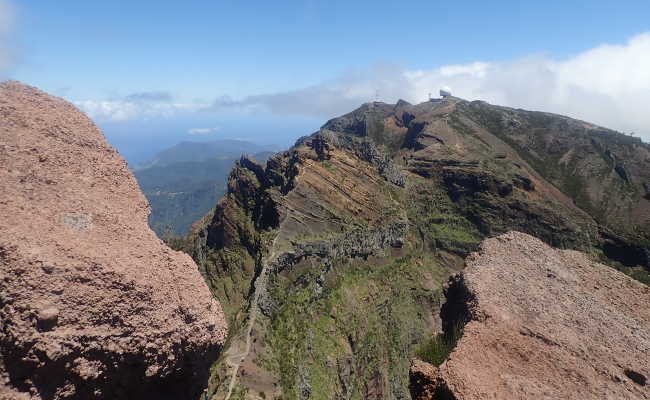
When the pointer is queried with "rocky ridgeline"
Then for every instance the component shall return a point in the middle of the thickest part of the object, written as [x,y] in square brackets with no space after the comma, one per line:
[249,181]
[92,304]
[541,323]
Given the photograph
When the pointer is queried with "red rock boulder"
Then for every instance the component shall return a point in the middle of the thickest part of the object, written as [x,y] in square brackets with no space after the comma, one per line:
[541,323]
[92,303]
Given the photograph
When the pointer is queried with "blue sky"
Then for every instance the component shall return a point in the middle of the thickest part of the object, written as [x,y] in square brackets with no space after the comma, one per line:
[272,71]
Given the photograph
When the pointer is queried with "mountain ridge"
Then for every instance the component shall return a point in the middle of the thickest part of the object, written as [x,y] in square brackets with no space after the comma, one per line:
[193,151]
[453,173]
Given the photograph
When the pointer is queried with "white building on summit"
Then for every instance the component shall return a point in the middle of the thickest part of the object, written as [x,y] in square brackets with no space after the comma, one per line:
[445,92]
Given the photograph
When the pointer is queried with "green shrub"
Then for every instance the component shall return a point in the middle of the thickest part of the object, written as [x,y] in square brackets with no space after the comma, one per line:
[436,350]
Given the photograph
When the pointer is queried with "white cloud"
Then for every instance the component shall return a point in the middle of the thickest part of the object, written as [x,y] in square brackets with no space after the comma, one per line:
[329,98]
[7,20]
[203,131]
[123,109]
[608,85]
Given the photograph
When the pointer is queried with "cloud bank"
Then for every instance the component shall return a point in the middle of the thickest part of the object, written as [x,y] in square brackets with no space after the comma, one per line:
[608,85]
[138,105]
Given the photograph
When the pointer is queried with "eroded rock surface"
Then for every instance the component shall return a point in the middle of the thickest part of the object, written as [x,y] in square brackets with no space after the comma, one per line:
[92,304]
[542,324]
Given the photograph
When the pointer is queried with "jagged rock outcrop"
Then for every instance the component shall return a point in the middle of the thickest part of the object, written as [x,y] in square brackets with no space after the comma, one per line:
[541,323]
[323,141]
[358,243]
[317,205]
[92,304]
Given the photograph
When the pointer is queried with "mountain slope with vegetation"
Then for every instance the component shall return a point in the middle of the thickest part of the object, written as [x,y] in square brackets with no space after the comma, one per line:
[329,260]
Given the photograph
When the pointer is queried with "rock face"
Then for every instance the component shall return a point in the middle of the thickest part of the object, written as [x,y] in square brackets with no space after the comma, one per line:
[541,323]
[92,304]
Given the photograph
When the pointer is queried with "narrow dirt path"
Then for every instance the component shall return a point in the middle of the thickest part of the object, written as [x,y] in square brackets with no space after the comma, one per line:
[236,360]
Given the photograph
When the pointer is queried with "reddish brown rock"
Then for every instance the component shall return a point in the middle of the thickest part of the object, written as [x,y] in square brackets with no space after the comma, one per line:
[423,380]
[92,303]
[544,324]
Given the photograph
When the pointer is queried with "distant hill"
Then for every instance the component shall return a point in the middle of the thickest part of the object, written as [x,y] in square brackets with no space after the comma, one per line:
[202,151]
[184,182]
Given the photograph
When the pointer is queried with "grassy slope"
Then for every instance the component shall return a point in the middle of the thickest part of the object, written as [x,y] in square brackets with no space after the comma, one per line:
[355,337]
[354,340]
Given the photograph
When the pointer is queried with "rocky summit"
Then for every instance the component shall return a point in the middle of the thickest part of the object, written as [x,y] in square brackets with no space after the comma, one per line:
[541,323]
[92,304]
[329,259]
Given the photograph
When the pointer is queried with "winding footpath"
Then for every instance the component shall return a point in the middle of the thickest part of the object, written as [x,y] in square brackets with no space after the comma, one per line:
[236,360]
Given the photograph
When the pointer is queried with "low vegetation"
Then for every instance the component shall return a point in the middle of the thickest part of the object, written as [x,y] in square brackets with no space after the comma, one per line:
[438,222]
[437,349]
[353,338]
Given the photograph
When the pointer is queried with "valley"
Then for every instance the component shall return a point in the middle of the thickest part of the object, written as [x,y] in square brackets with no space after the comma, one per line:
[183,183]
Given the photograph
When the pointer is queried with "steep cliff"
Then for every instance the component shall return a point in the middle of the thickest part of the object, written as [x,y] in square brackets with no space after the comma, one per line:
[92,304]
[329,259]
